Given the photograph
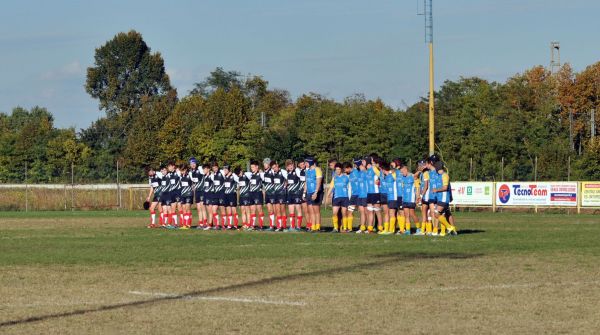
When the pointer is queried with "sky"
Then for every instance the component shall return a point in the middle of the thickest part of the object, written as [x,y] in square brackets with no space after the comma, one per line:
[332,47]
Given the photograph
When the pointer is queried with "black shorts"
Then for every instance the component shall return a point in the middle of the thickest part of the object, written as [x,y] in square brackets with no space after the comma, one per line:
[392,204]
[444,205]
[354,200]
[294,199]
[340,202]
[276,199]
[362,202]
[246,201]
[256,198]
[198,196]
[230,200]
[165,199]
[317,201]
[156,198]
[186,200]
[383,198]
[214,199]
[175,197]
[373,198]
[409,205]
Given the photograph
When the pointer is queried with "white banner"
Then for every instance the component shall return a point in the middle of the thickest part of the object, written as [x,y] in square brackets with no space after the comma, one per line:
[536,194]
[472,193]
[590,193]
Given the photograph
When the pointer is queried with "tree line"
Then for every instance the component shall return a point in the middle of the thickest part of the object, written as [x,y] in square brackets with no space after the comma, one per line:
[531,126]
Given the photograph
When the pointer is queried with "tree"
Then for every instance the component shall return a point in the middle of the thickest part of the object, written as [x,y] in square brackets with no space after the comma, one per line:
[218,78]
[125,72]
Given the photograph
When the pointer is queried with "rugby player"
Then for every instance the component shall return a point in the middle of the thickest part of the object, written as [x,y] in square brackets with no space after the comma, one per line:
[409,198]
[186,196]
[154,196]
[267,180]
[340,193]
[256,195]
[442,193]
[313,191]
[373,193]
[391,190]
[294,195]
[277,197]
[230,200]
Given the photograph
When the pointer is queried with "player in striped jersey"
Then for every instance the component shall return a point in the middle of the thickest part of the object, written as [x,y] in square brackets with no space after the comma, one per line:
[302,175]
[294,195]
[277,197]
[154,195]
[217,196]
[186,196]
[170,197]
[196,176]
[229,208]
[244,196]
[340,192]
[267,181]
[256,195]
[409,198]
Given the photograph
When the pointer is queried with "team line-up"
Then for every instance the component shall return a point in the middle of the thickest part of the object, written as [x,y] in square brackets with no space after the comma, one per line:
[385,194]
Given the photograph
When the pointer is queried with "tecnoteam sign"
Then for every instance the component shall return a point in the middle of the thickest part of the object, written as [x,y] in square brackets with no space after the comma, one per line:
[536,194]
[472,193]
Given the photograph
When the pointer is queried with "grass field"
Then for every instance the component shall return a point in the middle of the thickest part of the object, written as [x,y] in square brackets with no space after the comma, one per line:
[104,273]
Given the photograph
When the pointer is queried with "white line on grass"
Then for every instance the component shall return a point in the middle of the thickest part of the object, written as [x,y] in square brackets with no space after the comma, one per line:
[213,298]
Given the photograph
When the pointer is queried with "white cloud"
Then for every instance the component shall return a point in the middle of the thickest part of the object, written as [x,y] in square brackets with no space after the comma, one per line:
[69,70]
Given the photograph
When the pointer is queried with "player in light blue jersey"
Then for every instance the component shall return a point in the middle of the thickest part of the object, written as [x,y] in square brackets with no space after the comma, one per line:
[409,199]
[362,194]
[373,192]
[389,187]
[354,175]
[340,192]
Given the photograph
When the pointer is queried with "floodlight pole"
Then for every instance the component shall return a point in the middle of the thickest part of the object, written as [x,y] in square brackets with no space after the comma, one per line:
[428,14]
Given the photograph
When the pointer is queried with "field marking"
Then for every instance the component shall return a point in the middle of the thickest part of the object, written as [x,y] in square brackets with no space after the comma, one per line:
[213,298]
[449,288]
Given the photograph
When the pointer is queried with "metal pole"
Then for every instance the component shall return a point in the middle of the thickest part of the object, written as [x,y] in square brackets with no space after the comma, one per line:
[118,187]
[431,103]
[72,186]
[535,172]
[26,190]
[502,169]
[471,169]
[569,170]
[593,124]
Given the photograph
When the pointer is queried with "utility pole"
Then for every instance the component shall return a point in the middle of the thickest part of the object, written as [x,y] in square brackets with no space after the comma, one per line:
[428,14]
[554,57]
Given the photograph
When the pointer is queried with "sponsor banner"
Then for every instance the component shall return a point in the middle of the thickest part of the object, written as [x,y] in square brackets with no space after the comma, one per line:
[472,193]
[590,193]
[536,194]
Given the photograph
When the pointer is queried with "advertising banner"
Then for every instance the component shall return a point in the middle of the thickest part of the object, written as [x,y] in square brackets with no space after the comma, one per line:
[590,193]
[536,194]
[472,193]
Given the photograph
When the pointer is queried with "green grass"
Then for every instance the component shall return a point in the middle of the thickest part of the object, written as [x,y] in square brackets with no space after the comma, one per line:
[58,262]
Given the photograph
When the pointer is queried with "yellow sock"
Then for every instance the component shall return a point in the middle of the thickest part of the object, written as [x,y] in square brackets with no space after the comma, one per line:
[429,227]
[336,224]
[407,224]
[370,228]
[418,225]
[443,230]
[349,222]
[392,225]
[443,221]
[401,223]
[363,227]
[386,226]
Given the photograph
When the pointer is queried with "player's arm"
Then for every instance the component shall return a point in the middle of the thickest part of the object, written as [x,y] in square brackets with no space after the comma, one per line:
[445,183]
[319,175]
[150,193]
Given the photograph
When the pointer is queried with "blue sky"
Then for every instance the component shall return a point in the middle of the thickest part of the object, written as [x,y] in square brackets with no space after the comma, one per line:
[333,47]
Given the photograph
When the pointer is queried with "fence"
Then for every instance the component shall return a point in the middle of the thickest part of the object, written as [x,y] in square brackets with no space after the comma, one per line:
[494,195]
[527,194]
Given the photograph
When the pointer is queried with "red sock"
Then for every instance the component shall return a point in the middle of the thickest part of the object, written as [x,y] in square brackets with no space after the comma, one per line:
[299,221]
[271,219]
[261,219]
[189,220]
[162,218]
[284,220]
[235,219]
[214,220]
[252,220]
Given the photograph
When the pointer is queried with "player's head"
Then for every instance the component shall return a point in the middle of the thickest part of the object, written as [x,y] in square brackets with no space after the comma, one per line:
[357,162]
[183,168]
[396,163]
[226,168]
[404,170]
[289,165]
[301,165]
[274,166]
[171,166]
[266,163]
[310,161]
[205,168]
[332,162]
[254,166]
[163,169]
[421,165]
[385,166]
[338,168]
[439,167]
[238,171]
[150,171]
[214,166]
[347,167]
[193,163]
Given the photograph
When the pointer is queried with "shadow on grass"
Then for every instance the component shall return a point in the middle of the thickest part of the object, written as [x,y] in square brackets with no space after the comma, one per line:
[382,260]
[470,231]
